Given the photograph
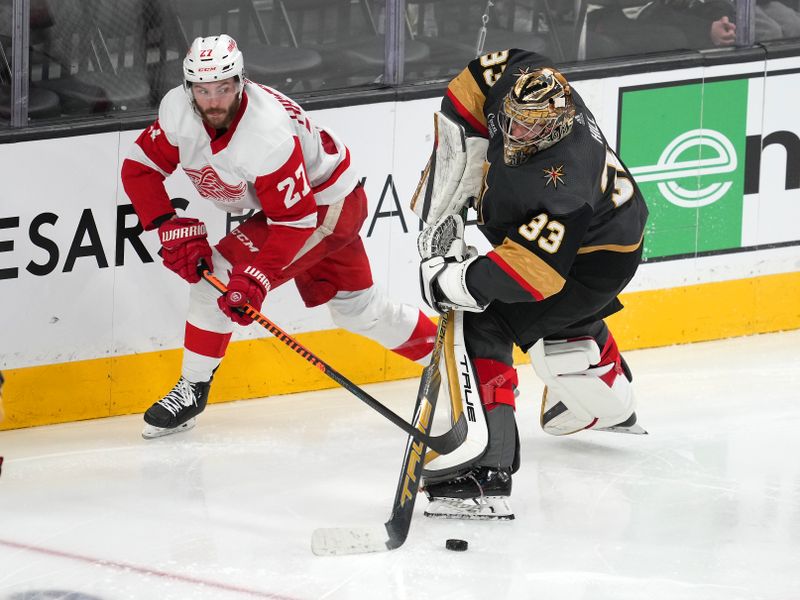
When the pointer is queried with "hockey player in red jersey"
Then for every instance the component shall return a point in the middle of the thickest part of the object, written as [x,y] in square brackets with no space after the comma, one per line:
[246,146]
[566,221]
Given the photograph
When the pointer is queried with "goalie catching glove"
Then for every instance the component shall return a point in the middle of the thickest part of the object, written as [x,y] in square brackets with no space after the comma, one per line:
[454,173]
[247,285]
[443,270]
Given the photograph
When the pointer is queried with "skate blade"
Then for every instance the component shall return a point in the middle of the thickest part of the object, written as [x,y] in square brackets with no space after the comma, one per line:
[151,431]
[635,429]
[489,508]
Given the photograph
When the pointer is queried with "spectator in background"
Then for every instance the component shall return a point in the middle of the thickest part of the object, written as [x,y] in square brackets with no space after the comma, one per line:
[663,25]
[705,24]
[659,26]
[714,20]
[775,20]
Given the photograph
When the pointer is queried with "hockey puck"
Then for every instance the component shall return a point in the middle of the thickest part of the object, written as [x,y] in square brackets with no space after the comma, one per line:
[456,545]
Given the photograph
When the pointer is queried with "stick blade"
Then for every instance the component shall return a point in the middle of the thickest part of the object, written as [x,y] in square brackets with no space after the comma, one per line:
[337,541]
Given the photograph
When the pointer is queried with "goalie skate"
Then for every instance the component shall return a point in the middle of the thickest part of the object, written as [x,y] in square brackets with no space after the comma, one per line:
[479,494]
[628,426]
[177,411]
[557,419]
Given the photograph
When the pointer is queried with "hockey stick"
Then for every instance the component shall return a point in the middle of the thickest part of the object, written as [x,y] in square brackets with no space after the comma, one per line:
[360,540]
[444,443]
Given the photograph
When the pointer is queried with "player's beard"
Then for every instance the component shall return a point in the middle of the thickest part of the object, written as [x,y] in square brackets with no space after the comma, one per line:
[219,118]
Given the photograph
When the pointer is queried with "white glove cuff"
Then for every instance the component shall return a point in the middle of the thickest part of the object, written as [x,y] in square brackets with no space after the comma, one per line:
[453,283]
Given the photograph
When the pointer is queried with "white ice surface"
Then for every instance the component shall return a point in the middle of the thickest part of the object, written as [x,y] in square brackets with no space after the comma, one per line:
[707,507]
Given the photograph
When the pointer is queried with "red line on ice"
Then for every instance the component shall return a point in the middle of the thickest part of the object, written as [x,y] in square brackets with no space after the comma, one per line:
[143,570]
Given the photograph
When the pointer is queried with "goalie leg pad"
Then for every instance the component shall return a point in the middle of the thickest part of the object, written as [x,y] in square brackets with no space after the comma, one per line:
[474,481]
[483,389]
[460,384]
[584,387]
[498,381]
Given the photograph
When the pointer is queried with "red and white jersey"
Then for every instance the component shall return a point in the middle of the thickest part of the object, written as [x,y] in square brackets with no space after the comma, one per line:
[271,158]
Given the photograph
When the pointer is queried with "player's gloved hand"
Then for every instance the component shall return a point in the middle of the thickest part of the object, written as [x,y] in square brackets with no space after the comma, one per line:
[247,285]
[443,283]
[183,243]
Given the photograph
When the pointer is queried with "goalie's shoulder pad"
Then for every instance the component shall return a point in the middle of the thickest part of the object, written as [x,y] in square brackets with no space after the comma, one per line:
[454,173]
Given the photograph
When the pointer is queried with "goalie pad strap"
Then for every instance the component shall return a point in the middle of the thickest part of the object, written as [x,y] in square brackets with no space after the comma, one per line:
[497,382]
[610,354]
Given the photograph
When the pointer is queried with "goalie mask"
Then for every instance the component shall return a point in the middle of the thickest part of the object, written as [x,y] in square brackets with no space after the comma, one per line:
[211,59]
[536,113]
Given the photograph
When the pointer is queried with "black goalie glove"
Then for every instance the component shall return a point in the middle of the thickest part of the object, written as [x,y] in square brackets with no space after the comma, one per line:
[443,270]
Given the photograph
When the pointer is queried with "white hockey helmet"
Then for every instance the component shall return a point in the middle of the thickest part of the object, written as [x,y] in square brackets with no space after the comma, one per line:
[212,58]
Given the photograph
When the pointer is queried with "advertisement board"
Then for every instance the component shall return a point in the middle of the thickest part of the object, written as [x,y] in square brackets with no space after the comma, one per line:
[87,305]
[717,177]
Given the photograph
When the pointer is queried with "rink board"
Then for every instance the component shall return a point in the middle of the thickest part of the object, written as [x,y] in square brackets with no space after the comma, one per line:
[256,368]
[91,316]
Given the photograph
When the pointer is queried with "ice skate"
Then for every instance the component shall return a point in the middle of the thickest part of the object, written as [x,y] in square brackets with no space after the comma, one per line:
[556,419]
[629,425]
[177,411]
[481,493]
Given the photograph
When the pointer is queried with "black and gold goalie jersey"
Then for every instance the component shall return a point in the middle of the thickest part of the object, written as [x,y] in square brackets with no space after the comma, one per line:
[566,225]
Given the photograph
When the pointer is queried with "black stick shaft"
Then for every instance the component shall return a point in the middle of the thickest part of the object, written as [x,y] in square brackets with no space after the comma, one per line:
[399,523]
[441,444]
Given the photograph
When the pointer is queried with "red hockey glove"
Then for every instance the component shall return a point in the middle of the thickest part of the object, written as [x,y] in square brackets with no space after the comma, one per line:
[184,242]
[248,285]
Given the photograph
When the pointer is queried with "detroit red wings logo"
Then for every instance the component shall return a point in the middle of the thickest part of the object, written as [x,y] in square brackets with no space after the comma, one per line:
[210,184]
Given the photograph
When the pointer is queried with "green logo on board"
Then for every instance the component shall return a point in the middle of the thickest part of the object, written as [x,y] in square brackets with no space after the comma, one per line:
[684,146]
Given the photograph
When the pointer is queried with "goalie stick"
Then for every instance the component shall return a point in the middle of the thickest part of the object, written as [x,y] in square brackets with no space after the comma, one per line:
[360,540]
[444,443]
[333,541]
